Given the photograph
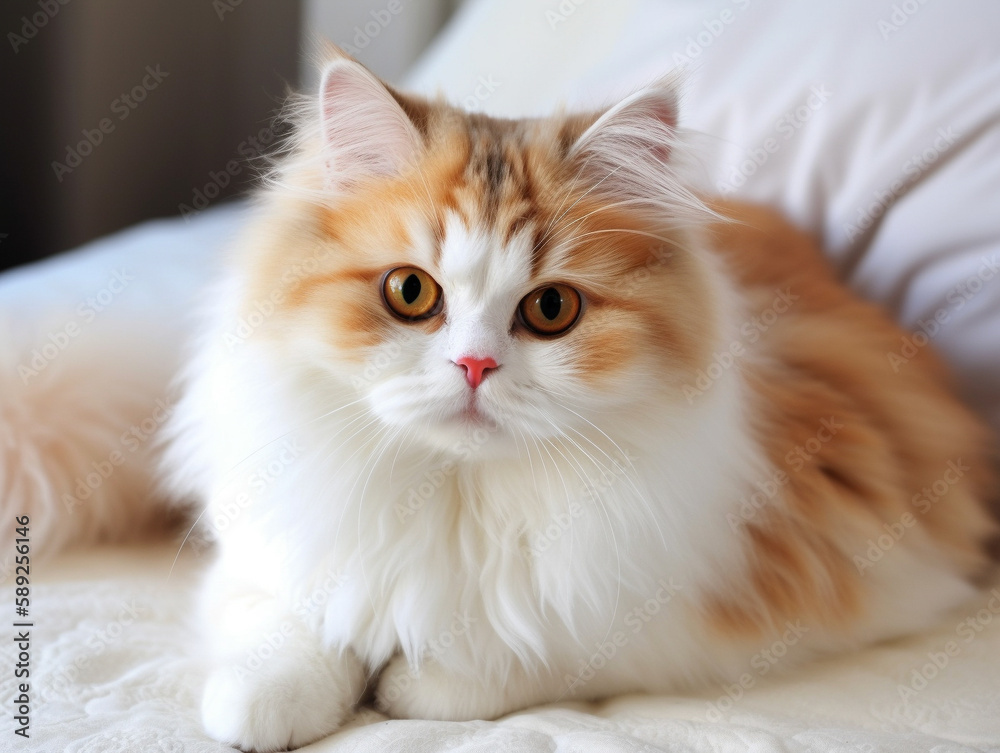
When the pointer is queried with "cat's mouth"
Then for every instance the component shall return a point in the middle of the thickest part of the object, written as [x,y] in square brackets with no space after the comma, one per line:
[473,414]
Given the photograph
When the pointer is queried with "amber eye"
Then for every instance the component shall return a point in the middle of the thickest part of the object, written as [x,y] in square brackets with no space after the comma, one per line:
[551,310]
[411,293]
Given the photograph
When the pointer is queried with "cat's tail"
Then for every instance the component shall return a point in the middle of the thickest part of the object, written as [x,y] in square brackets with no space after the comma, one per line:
[75,456]
[90,343]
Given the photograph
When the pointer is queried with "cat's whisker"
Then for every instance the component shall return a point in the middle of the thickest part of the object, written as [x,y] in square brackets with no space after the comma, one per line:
[399,447]
[367,415]
[655,236]
[527,452]
[629,478]
[383,445]
[621,470]
[614,541]
[181,547]
[597,429]
[558,219]
[361,447]
[297,428]
[325,489]
[232,471]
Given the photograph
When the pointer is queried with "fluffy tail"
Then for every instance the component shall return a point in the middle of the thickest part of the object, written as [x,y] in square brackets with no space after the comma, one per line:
[90,343]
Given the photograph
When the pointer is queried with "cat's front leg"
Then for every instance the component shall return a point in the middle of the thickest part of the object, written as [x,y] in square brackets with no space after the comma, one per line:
[273,686]
[434,692]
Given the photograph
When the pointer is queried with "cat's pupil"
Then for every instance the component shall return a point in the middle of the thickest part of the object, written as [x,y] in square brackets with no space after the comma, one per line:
[550,304]
[411,288]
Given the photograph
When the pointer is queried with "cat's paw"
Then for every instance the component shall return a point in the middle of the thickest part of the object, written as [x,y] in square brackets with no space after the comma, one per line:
[284,704]
[433,693]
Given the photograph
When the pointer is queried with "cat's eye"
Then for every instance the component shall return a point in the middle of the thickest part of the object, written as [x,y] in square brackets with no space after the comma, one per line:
[411,293]
[551,310]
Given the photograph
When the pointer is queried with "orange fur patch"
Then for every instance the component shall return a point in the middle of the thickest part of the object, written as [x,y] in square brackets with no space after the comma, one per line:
[855,440]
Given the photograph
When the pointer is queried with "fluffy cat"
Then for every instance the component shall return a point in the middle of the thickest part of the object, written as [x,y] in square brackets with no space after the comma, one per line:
[492,413]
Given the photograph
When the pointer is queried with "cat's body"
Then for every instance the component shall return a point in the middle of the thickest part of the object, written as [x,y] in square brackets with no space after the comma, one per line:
[718,457]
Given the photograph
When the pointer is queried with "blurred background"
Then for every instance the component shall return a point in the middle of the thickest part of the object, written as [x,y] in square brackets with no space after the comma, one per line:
[118,111]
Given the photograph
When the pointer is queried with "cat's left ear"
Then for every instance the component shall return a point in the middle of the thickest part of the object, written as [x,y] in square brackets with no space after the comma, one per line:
[365,131]
[628,151]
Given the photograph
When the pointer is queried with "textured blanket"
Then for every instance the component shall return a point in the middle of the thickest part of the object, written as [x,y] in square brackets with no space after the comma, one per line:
[114,668]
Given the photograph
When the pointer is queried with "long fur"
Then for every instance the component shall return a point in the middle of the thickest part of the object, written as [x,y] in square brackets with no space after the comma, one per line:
[596,531]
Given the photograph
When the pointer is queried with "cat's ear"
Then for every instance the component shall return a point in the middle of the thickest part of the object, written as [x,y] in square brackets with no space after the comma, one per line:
[628,153]
[365,132]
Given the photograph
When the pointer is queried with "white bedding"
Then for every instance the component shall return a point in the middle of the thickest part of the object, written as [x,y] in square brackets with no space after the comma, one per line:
[883,96]
[114,670]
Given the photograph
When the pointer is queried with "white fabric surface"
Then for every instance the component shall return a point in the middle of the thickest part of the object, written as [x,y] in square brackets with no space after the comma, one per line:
[940,69]
[114,669]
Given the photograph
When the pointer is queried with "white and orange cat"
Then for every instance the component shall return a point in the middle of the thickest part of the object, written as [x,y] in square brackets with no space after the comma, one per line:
[492,413]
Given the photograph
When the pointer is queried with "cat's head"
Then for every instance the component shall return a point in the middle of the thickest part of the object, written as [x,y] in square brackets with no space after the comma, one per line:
[465,276]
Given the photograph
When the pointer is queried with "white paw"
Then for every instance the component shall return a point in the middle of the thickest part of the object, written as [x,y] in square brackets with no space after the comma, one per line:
[433,693]
[287,702]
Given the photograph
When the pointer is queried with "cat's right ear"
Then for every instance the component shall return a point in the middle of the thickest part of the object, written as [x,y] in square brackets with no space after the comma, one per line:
[630,155]
[364,130]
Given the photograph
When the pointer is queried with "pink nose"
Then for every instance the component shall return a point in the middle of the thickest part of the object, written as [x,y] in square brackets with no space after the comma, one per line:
[475,368]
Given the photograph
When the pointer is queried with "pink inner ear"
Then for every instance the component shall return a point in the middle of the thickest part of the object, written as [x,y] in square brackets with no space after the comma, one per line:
[365,131]
[335,95]
[629,155]
[645,123]
[665,112]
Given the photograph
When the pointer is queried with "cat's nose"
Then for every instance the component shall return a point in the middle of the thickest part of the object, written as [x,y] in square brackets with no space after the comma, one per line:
[476,369]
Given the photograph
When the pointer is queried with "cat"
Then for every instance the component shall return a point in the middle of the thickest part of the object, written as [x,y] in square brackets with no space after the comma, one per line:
[492,413]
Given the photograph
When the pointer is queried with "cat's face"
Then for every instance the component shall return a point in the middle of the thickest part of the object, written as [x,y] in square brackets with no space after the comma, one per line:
[488,281]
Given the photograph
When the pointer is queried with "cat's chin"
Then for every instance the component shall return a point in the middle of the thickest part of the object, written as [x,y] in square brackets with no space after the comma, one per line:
[469,435]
